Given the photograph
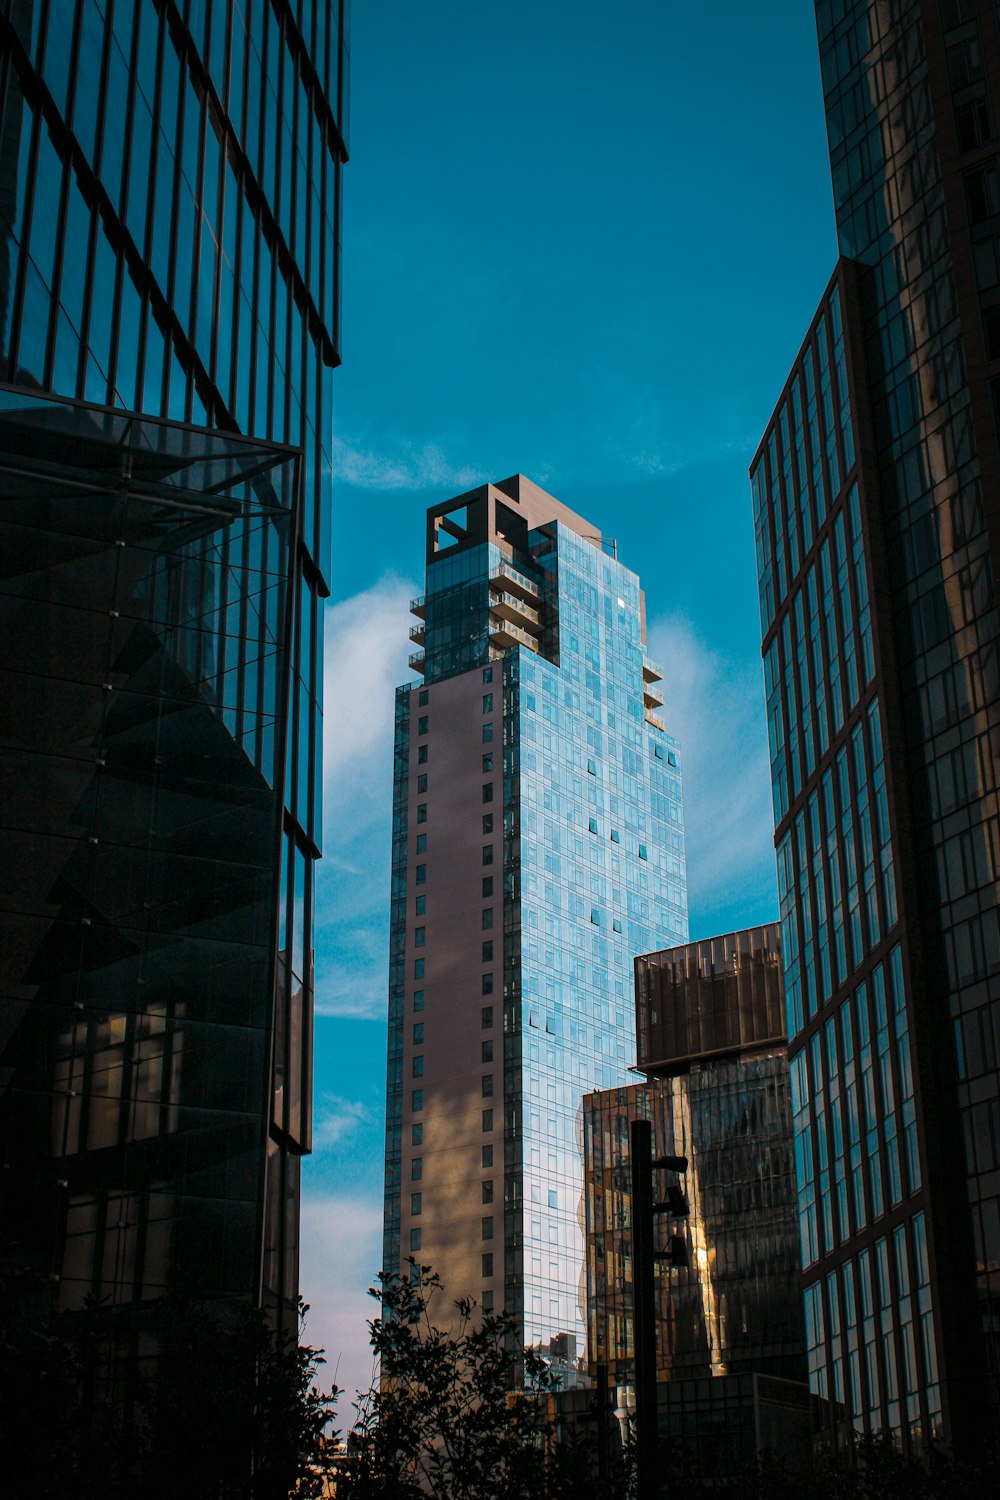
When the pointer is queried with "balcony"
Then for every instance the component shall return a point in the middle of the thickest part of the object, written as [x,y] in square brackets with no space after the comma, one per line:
[504,577]
[418,606]
[650,671]
[504,633]
[651,718]
[508,607]
[418,633]
[417,661]
[651,696]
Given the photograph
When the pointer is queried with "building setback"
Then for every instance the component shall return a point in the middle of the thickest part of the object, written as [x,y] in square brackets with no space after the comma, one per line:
[877,508]
[730,1335]
[169,245]
[537,844]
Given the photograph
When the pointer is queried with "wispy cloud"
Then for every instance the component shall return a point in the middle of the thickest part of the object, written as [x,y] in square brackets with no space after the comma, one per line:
[714,705]
[341,1251]
[411,468]
[366,656]
[336,1118]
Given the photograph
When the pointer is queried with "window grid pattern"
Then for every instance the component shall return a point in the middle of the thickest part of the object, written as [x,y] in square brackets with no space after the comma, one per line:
[169,243]
[857,1156]
[912,112]
[568,973]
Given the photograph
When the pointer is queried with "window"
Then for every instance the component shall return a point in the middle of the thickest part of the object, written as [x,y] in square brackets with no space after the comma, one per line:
[487,1156]
[487,822]
[487,1192]
[422,724]
[487,674]
[642,852]
[421,874]
[414,1239]
[671,758]
[416,1168]
[488,1228]
[616,837]
[591,767]
[418,1033]
[422,698]
[416,1135]
[487,854]
[487,703]
[421,784]
[487,763]
[488,791]
[595,916]
[418,1067]
[487,1302]
[487,1119]
[488,951]
[658,751]
[422,761]
[487,885]
[421,905]
[420,937]
[416,1203]
[487,984]
[421,812]
[418,968]
[421,843]
[591,822]
[487,734]
[616,925]
[487,1267]
[487,919]
[418,999]
[487,1048]
[417,1099]
[487,1017]
[553,1198]
[487,1082]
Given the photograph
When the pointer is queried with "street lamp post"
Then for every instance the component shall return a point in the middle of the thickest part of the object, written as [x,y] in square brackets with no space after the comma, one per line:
[643,1291]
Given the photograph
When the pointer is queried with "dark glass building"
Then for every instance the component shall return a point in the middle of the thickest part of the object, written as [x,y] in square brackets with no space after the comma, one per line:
[537,845]
[169,245]
[730,1335]
[878,531]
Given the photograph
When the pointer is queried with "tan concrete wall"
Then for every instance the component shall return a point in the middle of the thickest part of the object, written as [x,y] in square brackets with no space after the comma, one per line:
[451,1151]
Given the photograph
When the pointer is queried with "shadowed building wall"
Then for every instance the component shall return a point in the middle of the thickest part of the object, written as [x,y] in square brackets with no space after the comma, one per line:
[169,245]
[877,507]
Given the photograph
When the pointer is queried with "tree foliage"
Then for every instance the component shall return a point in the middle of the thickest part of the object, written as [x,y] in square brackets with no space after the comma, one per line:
[231,1412]
[457,1414]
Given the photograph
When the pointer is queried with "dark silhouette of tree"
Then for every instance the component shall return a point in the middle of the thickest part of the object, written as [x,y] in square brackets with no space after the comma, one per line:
[230,1411]
[455,1415]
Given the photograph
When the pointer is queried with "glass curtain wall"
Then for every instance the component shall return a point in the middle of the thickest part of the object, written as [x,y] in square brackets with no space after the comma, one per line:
[169,243]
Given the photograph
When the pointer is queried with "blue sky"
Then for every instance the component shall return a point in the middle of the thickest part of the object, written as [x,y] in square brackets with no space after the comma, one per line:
[582,243]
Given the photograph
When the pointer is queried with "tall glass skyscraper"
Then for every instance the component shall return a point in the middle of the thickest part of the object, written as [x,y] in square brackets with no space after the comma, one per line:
[878,533]
[169,246]
[537,845]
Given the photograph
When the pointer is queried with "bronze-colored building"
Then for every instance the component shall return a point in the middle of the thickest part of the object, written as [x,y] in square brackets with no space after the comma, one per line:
[710,1029]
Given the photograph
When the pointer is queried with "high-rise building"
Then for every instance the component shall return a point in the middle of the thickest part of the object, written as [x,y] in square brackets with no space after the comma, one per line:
[730,1334]
[877,507]
[537,845]
[169,245]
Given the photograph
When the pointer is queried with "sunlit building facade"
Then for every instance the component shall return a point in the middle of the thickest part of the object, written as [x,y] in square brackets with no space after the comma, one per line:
[537,844]
[878,535]
[169,324]
[730,1330]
